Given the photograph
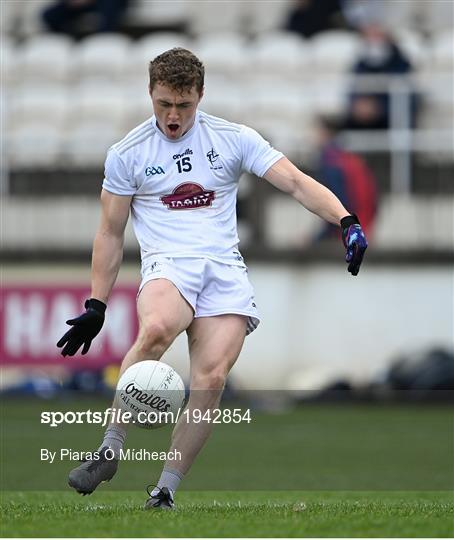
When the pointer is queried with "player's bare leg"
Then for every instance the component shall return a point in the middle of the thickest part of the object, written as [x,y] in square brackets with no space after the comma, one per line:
[214,346]
[163,314]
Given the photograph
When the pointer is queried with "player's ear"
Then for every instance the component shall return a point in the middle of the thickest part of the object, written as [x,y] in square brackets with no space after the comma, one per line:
[201,93]
[150,90]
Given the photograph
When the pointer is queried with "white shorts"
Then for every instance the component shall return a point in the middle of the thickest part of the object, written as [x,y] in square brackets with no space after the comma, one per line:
[210,287]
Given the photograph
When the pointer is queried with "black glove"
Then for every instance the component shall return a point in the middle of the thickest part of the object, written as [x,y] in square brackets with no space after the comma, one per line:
[355,242]
[84,328]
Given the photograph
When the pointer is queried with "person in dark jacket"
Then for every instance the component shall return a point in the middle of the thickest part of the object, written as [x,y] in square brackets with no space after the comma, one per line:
[309,17]
[380,56]
[64,16]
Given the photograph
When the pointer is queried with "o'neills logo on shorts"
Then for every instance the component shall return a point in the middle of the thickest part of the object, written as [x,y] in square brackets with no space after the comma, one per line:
[188,196]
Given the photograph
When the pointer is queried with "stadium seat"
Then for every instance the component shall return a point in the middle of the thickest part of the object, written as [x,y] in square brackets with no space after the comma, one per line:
[334,51]
[6,130]
[103,57]
[86,144]
[438,100]
[296,144]
[46,104]
[28,20]
[442,52]
[34,144]
[223,54]
[434,17]
[438,114]
[157,13]
[137,105]
[155,44]
[215,17]
[437,79]
[408,223]
[395,218]
[287,226]
[222,99]
[147,48]
[403,222]
[97,101]
[283,103]
[8,19]
[396,15]
[9,72]
[266,17]
[45,58]
[281,54]
[329,93]
[412,45]
[281,113]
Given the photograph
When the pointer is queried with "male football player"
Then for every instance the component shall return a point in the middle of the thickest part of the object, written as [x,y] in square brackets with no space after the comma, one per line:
[177,173]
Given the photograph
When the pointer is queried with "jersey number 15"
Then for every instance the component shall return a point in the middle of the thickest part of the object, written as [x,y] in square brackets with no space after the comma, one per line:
[184,165]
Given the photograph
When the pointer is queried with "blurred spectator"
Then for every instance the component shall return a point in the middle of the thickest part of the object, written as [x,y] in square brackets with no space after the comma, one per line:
[347,176]
[312,16]
[69,16]
[359,12]
[380,56]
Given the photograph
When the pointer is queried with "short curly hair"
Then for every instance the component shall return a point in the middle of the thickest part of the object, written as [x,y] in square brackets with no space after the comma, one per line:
[178,69]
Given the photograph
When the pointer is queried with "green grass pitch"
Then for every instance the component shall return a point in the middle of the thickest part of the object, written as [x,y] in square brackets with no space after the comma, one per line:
[230,514]
[315,470]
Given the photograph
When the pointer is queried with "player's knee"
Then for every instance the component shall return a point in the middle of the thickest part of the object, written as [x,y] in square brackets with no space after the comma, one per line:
[212,379]
[154,339]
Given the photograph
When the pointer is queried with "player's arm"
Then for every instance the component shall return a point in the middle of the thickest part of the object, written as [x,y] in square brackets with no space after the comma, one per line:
[108,244]
[106,260]
[321,201]
[311,194]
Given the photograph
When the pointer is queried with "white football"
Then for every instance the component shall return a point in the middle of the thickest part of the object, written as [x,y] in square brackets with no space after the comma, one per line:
[152,392]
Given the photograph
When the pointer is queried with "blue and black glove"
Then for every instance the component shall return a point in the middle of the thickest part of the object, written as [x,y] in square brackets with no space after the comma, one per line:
[84,328]
[355,242]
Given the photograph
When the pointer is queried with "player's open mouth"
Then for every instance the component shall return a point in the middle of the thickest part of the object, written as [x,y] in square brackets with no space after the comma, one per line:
[173,128]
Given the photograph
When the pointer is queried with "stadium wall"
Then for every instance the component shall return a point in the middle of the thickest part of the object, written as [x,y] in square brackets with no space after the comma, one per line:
[319,323]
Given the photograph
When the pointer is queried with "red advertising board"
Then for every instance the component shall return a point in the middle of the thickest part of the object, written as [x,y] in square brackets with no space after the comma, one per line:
[34,318]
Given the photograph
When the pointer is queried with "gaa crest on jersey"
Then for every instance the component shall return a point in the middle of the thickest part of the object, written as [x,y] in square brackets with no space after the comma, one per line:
[213,158]
[151,171]
[188,196]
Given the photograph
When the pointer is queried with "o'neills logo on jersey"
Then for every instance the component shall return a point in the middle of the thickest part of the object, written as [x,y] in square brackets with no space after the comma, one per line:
[187,152]
[188,196]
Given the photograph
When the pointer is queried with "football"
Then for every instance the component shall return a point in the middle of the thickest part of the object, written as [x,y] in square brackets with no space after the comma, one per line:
[153,392]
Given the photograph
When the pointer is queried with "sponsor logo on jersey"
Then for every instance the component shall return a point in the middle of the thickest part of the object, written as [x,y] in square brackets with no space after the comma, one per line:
[151,171]
[187,152]
[188,196]
[213,157]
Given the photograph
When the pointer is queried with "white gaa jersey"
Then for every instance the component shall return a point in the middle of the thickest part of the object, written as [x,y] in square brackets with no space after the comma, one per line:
[184,191]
